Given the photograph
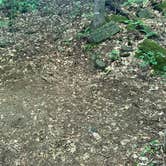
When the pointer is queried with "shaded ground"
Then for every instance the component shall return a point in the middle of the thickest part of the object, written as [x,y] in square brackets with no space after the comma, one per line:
[56,109]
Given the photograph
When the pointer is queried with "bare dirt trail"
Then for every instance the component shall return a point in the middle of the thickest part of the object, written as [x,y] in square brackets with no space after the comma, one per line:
[69,115]
[57,110]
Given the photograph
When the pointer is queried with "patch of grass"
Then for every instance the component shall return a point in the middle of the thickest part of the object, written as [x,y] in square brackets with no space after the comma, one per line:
[84,33]
[89,47]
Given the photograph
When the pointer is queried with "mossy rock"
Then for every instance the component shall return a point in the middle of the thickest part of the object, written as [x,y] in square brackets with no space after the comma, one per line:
[156,52]
[98,63]
[103,33]
[117,18]
[145,13]
[5,43]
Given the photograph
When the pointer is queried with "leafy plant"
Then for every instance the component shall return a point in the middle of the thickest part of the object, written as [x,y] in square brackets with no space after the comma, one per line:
[152,54]
[114,55]
[148,153]
[98,63]
[139,25]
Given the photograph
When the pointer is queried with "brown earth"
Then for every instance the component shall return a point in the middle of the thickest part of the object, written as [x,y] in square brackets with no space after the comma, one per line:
[57,110]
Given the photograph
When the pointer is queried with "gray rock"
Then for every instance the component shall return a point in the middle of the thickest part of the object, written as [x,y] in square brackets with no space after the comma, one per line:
[104,32]
[145,13]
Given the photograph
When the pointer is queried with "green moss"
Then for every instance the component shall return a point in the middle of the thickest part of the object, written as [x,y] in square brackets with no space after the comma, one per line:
[117,18]
[152,54]
[140,26]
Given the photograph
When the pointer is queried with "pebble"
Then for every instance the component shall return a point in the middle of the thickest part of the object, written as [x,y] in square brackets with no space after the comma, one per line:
[96,136]
[124,142]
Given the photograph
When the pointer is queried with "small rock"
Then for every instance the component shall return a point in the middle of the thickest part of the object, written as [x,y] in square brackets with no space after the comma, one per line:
[72,147]
[85,156]
[125,51]
[134,156]
[124,142]
[96,136]
[100,64]
[143,158]
[145,13]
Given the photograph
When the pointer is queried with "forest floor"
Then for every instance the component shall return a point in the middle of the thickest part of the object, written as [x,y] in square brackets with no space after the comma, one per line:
[56,109]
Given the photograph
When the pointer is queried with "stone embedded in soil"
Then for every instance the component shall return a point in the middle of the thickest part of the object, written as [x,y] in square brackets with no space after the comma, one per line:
[145,13]
[99,64]
[103,33]
[5,43]
[124,142]
[125,51]
[96,136]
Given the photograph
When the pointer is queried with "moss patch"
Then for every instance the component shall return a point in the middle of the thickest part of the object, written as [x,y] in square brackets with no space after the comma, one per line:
[152,54]
[117,18]
[140,26]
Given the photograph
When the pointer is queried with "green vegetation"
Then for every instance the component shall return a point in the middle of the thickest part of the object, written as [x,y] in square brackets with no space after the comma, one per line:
[152,54]
[89,47]
[149,51]
[133,24]
[3,23]
[131,2]
[76,10]
[161,7]
[117,18]
[148,152]
[114,55]
[12,8]
[98,62]
[139,25]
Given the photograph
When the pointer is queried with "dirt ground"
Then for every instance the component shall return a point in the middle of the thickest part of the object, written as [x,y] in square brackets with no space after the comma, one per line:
[57,110]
